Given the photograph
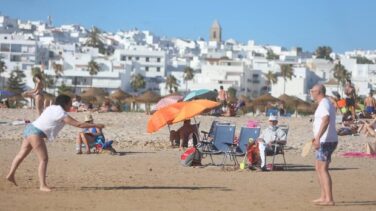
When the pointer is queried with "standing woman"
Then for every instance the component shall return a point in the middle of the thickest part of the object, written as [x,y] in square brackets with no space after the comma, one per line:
[47,126]
[37,93]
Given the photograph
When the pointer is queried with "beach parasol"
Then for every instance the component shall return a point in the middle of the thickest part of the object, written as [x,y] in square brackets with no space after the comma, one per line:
[194,108]
[167,101]
[164,116]
[148,97]
[265,99]
[91,94]
[119,94]
[68,93]
[201,94]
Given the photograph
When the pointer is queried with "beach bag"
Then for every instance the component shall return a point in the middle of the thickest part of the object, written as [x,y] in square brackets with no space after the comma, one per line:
[371,148]
[191,157]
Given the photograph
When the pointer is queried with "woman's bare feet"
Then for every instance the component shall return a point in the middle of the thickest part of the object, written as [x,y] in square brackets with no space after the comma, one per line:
[11,179]
[45,189]
[319,200]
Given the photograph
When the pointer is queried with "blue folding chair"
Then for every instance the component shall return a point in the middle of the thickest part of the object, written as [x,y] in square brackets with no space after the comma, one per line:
[223,135]
[245,134]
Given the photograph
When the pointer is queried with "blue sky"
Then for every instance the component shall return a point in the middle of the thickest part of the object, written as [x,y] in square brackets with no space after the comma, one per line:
[341,24]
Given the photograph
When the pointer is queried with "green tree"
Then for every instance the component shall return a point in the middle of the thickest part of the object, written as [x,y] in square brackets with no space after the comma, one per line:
[138,82]
[94,40]
[188,75]
[323,52]
[363,60]
[270,55]
[15,82]
[271,78]
[171,83]
[63,89]
[231,91]
[93,68]
[287,73]
[58,69]
[2,70]
[341,74]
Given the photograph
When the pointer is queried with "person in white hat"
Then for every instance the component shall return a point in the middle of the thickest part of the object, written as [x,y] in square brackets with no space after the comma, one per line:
[268,136]
[87,136]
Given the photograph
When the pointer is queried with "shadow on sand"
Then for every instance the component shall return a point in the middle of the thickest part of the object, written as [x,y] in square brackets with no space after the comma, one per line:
[294,167]
[130,153]
[156,188]
[356,203]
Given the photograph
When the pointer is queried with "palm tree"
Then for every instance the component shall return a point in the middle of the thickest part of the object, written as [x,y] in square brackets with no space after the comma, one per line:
[2,70]
[271,78]
[138,82]
[58,68]
[286,72]
[93,68]
[188,75]
[94,40]
[323,52]
[171,83]
[341,74]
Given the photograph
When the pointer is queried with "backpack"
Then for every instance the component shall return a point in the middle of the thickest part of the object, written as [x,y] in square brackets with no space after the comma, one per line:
[191,157]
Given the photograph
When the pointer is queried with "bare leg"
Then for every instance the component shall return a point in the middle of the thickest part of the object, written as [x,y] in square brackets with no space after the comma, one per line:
[39,103]
[326,181]
[24,151]
[322,192]
[39,146]
[79,143]
[87,139]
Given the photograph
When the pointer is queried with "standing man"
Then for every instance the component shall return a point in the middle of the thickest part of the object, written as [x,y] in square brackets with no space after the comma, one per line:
[350,97]
[222,97]
[325,142]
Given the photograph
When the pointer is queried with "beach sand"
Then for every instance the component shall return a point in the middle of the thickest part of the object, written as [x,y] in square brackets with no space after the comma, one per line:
[147,174]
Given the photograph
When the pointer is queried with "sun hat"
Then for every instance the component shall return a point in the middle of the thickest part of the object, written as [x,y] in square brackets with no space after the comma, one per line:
[273,118]
[88,118]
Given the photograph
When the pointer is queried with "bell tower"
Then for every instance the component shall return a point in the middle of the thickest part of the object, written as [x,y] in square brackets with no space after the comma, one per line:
[216,32]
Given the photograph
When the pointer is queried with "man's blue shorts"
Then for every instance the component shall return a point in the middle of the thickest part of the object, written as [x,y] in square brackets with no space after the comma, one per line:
[324,153]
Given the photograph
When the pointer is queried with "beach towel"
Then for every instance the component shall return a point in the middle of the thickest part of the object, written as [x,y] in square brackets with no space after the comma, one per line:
[358,155]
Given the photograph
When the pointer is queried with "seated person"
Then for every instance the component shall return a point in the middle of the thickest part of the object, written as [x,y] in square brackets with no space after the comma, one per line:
[269,135]
[370,104]
[369,128]
[106,106]
[77,104]
[230,111]
[88,136]
[186,132]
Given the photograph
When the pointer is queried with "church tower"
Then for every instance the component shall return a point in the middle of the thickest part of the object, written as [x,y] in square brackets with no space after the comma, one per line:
[216,32]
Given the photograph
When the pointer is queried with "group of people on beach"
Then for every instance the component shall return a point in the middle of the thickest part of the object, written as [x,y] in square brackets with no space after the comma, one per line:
[55,117]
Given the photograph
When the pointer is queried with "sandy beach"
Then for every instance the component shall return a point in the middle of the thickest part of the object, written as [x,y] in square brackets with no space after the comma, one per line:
[147,175]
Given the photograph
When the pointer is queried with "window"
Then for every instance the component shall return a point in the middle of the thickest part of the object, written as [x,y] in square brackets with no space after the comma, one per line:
[147,59]
[5,47]
[158,59]
[158,69]
[214,35]
[255,75]
[15,58]
[129,58]
[15,48]
[147,69]
[137,58]
[123,58]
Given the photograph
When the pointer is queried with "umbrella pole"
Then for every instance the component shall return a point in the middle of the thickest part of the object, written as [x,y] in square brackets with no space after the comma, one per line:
[198,133]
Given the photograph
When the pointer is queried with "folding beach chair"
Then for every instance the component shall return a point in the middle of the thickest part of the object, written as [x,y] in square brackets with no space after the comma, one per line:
[223,135]
[278,147]
[246,133]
